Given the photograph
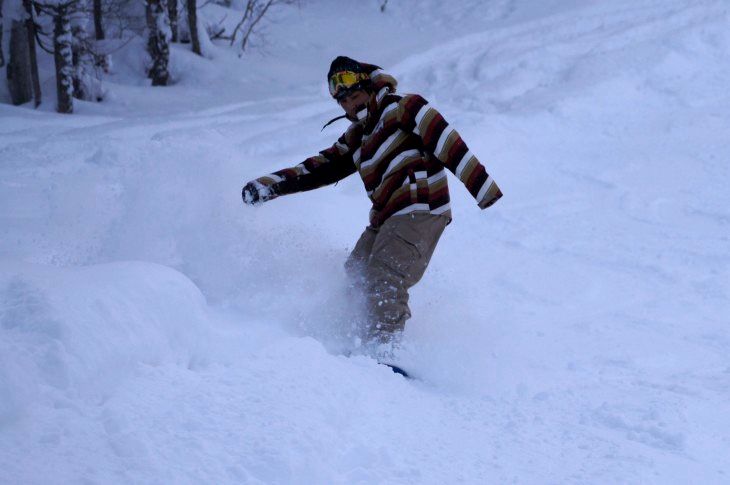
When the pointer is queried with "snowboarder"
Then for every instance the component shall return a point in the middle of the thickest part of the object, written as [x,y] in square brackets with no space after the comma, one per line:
[400,145]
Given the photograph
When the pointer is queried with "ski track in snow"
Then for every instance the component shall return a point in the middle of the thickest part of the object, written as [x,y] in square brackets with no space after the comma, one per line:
[575,332]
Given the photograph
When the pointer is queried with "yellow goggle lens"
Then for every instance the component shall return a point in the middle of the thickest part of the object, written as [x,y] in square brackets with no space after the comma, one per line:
[344,80]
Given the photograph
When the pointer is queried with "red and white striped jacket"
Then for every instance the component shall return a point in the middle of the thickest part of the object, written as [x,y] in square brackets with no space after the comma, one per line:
[400,150]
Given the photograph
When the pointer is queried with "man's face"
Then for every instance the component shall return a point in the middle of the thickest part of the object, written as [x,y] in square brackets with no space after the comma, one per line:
[354,102]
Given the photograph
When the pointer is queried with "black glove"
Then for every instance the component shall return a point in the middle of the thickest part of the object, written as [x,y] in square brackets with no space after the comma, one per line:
[250,194]
[256,193]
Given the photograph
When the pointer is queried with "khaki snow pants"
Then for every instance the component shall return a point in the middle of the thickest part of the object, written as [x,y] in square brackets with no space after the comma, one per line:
[386,262]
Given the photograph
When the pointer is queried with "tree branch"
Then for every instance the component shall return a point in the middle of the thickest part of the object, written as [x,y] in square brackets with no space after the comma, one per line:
[248,12]
[252,25]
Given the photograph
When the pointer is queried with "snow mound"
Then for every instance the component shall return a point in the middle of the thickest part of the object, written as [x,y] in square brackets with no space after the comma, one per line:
[77,332]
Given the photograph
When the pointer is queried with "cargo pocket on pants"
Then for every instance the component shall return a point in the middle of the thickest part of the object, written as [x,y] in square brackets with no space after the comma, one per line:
[403,252]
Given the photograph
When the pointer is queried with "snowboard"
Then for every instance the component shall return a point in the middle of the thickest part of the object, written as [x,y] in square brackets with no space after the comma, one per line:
[397,370]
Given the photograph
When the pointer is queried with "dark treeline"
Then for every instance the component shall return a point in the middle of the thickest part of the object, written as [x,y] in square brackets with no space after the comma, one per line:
[81,35]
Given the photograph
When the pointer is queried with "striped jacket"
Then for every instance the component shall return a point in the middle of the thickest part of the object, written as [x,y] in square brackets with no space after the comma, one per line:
[400,150]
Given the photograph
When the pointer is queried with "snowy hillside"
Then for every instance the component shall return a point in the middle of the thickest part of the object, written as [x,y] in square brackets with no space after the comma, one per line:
[155,330]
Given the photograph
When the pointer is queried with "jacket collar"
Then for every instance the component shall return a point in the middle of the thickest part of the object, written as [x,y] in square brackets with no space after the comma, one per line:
[375,107]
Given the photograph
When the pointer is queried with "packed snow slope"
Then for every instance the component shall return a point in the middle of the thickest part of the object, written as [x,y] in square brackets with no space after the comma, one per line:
[154,330]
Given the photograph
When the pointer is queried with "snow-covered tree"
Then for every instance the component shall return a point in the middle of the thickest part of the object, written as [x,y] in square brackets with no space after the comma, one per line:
[158,41]
[63,57]
[86,83]
[71,48]
[172,7]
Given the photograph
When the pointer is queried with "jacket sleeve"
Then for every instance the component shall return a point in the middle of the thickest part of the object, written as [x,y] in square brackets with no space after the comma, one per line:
[329,166]
[445,143]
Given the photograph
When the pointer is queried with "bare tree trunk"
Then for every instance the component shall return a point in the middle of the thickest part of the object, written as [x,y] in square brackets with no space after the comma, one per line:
[63,57]
[158,41]
[20,82]
[98,25]
[2,52]
[30,32]
[193,26]
[172,7]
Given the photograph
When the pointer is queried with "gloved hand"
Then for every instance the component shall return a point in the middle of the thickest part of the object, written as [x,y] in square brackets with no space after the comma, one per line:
[250,194]
[255,193]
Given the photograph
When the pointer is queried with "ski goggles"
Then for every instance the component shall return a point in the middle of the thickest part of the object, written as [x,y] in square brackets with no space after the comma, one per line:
[344,81]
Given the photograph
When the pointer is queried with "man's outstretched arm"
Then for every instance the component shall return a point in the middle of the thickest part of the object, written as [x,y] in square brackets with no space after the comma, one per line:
[328,167]
[446,144]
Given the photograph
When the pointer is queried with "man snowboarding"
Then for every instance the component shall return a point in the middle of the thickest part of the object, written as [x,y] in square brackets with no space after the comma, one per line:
[400,145]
